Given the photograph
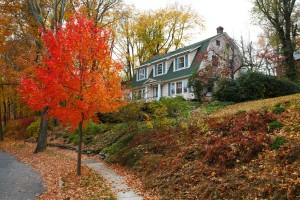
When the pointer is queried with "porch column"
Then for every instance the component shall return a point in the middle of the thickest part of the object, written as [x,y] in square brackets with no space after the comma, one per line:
[146,93]
[159,91]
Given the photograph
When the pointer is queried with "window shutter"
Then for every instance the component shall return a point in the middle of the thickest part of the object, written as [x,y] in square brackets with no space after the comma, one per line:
[146,73]
[155,70]
[186,60]
[169,89]
[164,67]
[176,63]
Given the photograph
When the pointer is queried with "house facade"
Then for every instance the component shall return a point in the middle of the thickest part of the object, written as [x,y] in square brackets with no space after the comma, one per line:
[167,75]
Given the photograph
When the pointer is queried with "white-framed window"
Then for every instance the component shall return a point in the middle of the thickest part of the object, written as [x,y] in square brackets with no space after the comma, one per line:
[142,74]
[179,87]
[139,94]
[160,69]
[173,86]
[185,86]
[218,43]
[181,62]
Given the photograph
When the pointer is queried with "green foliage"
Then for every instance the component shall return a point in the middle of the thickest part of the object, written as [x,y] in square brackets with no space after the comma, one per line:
[253,86]
[33,129]
[141,111]
[278,109]
[73,138]
[227,90]
[197,120]
[197,85]
[275,125]
[175,106]
[215,105]
[278,142]
[118,146]
[93,128]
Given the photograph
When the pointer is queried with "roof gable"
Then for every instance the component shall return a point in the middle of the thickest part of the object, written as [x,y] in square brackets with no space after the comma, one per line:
[182,50]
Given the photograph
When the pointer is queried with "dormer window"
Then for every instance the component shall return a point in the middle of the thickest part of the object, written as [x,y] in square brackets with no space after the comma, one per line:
[142,74]
[218,43]
[160,69]
[181,62]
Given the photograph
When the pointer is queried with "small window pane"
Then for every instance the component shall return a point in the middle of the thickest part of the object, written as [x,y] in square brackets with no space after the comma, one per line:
[181,62]
[185,86]
[179,87]
[141,74]
[172,88]
[159,69]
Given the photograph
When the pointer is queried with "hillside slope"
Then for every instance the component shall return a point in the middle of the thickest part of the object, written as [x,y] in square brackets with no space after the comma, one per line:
[246,155]
[243,151]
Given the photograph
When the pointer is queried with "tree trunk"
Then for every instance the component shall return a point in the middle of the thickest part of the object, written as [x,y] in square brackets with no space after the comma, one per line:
[15,110]
[1,130]
[79,149]
[8,109]
[42,137]
[4,113]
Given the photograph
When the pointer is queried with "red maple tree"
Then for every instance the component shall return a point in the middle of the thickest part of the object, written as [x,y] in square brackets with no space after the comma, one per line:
[79,77]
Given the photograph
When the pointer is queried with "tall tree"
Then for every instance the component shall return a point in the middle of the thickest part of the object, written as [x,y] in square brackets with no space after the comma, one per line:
[48,14]
[282,16]
[79,77]
[145,34]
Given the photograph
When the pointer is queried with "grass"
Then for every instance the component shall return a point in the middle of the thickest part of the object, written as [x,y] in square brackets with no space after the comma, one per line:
[264,104]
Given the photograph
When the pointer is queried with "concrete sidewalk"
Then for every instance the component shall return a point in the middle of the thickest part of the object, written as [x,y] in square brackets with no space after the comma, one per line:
[17,180]
[123,191]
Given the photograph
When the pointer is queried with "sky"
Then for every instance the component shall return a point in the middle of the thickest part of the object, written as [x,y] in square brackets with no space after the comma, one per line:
[233,15]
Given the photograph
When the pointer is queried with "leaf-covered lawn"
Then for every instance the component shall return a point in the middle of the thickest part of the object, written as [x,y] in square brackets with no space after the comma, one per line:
[58,171]
[254,105]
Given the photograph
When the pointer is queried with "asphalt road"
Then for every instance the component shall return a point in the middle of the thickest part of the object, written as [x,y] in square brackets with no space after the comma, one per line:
[17,180]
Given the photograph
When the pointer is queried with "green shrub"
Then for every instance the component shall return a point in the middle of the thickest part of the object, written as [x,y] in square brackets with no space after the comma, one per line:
[215,105]
[275,125]
[253,86]
[73,138]
[278,142]
[227,90]
[93,128]
[118,146]
[278,110]
[175,106]
[33,129]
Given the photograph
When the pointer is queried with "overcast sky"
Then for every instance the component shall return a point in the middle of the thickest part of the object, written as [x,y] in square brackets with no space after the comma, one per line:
[233,15]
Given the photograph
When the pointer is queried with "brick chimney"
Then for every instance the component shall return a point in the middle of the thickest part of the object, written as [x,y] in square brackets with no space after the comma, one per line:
[220,30]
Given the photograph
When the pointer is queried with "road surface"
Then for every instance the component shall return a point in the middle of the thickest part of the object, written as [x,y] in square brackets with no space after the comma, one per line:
[17,180]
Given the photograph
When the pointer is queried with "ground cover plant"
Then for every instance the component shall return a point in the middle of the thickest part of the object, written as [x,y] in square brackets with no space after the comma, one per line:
[236,155]
[247,150]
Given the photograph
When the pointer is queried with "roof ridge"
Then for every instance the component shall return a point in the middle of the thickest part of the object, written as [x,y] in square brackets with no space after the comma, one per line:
[178,50]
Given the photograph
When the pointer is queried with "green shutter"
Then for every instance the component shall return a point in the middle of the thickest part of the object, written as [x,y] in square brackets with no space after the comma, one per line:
[169,89]
[176,63]
[145,73]
[186,60]
[164,67]
[155,70]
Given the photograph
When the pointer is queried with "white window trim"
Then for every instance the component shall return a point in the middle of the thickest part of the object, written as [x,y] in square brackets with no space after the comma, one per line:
[138,74]
[182,88]
[184,63]
[155,69]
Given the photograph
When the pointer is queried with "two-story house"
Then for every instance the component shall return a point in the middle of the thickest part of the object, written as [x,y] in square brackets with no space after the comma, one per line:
[167,75]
